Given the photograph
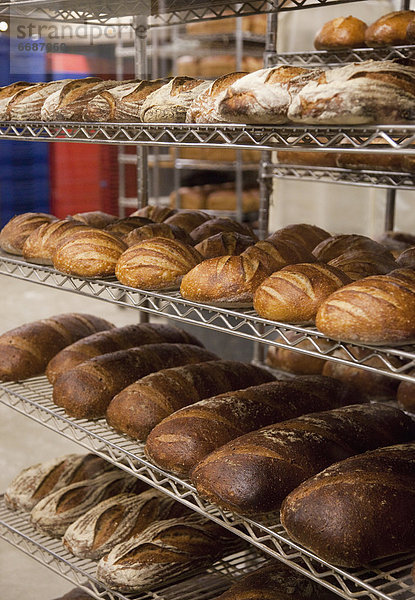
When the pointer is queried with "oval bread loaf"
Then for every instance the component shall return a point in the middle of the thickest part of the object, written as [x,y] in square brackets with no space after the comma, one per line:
[302,234]
[17,230]
[406,259]
[188,219]
[147,232]
[285,359]
[274,254]
[224,244]
[358,264]
[390,29]
[373,385]
[336,245]
[41,243]
[342,32]
[158,214]
[122,227]
[218,225]
[94,218]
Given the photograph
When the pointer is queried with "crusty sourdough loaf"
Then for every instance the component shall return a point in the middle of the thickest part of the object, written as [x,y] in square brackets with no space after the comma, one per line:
[37,481]
[26,350]
[204,108]
[373,385]
[357,510]
[91,253]
[292,361]
[94,218]
[26,104]
[17,230]
[188,219]
[341,32]
[86,390]
[7,92]
[255,472]
[302,234]
[187,436]
[70,101]
[358,264]
[142,405]
[152,230]
[294,293]
[390,29]
[156,264]
[170,102]
[218,225]
[158,214]
[276,253]
[122,227]
[118,338]
[336,245]
[224,243]
[41,243]
[406,259]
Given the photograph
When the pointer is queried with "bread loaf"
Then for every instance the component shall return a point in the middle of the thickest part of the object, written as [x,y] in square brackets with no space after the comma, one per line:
[274,254]
[37,481]
[188,219]
[117,519]
[56,511]
[396,241]
[390,29]
[169,103]
[410,32]
[204,108]
[17,230]
[187,436]
[162,552]
[123,227]
[373,385]
[41,243]
[95,218]
[357,510]
[148,232]
[360,263]
[254,473]
[342,32]
[376,310]
[406,394]
[26,104]
[142,405]
[219,225]
[294,294]
[89,254]
[310,159]
[156,264]
[118,338]
[225,243]
[26,350]
[7,92]
[189,198]
[87,390]
[227,281]
[357,94]
[158,214]
[301,234]
[336,245]
[70,102]
[406,259]
[292,361]
[224,199]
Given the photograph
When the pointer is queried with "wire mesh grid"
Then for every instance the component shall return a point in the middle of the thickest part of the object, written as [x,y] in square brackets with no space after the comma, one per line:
[387,579]
[335,58]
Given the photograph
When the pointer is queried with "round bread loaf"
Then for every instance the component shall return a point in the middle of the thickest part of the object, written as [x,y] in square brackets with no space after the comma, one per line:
[17,230]
[122,227]
[294,294]
[188,219]
[158,214]
[88,254]
[277,253]
[336,245]
[95,218]
[342,32]
[152,230]
[41,243]
[407,258]
[224,243]
[390,29]
[360,263]
[219,225]
[156,264]
[300,233]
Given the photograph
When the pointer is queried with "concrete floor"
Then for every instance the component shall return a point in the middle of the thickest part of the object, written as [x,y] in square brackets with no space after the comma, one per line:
[24,442]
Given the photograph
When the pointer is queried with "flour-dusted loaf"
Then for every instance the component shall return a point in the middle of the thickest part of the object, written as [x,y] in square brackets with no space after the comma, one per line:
[17,230]
[41,243]
[255,472]
[218,225]
[336,245]
[86,390]
[225,243]
[358,510]
[187,436]
[158,214]
[142,405]
[188,219]
[26,350]
[377,310]
[302,234]
[169,103]
[390,29]
[37,481]
[156,264]
[357,94]
[117,519]
[275,253]
[56,511]
[163,551]
[7,92]
[265,95]
[204,108]
[94,218]
[341,32]
[70,102]
[294,293]
[26,104]
[118,338]
[91,253]
[153,230]
[363,263]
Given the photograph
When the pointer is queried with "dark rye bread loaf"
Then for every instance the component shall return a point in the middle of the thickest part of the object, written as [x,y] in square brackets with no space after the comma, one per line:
[254,473]
[142,405]
[26,350]
[357,510]
[86,391]
[37,481]
[118,338]
[117,519]
[185,438]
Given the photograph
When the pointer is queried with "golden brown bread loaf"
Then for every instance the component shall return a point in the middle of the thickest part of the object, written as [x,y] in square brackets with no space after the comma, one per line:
[363,263]
[406,394]
[410,32]
[204,108]
[187,436]
[148,232]
[87,390]
[56,511]
[312,159]
[37,481]
[122,227]
[117,519]
[224,243]
[7,92]
[228,281]
[294,293]
[156,264]
[17,230]
[360,494]
[117,338]
[41,243]
[301,234]
[189,198]
[373,385]
[406,260]
[26,350]
[27,103]
[390,29]
[169,103]
[376,310]
[219,225]
[254,473]
[158,214]
[342,32]
[289,360]
[336,245]
[94,218]
[70,101]
[188,219]
[225,199]
[274,253]
[162,552]
[142,405]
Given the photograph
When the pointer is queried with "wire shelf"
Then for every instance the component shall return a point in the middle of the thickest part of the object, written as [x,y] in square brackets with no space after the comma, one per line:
[243,323]
[209,165]
[386,580]
[16,529]
[336,58]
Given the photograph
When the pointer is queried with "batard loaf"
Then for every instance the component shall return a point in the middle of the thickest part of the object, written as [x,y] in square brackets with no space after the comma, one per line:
[152,230]
[70,102]
[169,103]
[156,264]
[336,245]
[87,390]
[254,473]
[218,225]
[122,227]
[158,214]
[142,405]
[204,108]
[406,259]
[26,350]
[37,481]
[285,359]
[357,510]
[118,338]
[301,234]
[371,384]
[390,29]
[188,219]
[363,263]
[223,244]
[187,436]
[95,218]
[7,92]
[26,104]
[41,243]
[342,32]
[274,254]
[17,230]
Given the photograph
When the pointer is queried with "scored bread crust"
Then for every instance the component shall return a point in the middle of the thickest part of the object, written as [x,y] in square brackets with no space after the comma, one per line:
[169,104]
[205,107]
[41,243]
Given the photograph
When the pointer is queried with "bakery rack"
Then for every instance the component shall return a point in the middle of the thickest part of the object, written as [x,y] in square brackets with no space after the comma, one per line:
[336,58]
[388,579]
